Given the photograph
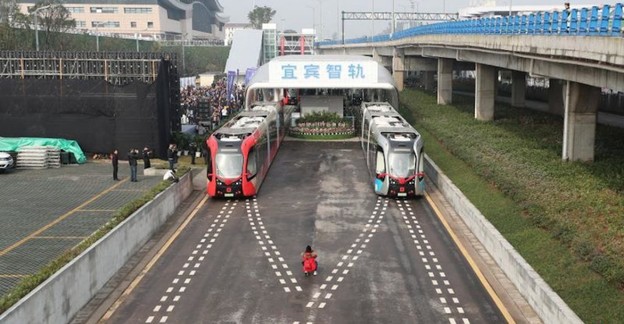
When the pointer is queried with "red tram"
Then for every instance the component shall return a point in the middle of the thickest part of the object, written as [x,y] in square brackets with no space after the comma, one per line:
[241,151]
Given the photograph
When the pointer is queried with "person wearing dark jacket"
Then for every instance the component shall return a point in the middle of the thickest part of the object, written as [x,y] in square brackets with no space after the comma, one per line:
[115,159]
[146,158]
[171,155]
[133,156]
[192,151]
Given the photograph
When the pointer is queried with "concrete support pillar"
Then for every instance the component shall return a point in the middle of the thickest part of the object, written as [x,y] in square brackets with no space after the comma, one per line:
[579,123]
[555,97]
[429,80]
[445,81]
[485,92]
[518,89]
[398,68]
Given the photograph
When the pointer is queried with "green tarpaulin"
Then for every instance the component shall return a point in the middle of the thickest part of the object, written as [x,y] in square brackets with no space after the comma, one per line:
[13,144]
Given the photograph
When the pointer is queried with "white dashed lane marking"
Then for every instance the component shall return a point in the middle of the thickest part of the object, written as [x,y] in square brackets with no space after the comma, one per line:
[183,279]
[430,261]
[285,278]
[352,255]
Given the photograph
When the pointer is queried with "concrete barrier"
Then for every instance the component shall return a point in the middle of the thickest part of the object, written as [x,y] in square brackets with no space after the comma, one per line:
[60,297]
[546,303]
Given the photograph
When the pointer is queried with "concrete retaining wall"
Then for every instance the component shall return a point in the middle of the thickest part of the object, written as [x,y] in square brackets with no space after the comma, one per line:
[546,303]
[60,297]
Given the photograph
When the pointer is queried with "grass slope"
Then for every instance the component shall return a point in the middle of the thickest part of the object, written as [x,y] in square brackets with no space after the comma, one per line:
[565,219]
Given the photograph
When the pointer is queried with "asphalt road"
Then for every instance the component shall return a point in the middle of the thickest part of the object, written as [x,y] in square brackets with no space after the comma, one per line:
[380,260]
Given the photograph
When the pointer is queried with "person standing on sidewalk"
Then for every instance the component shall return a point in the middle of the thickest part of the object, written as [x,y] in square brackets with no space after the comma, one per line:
[115,160]
[133,156]
[192,151]
[171,155]
[146,158]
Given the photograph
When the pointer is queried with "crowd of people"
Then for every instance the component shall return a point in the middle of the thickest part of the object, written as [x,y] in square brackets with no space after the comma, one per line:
[214,101]
[217,107]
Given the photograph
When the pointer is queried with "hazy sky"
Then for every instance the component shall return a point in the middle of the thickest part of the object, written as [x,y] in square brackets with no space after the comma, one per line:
[298,14]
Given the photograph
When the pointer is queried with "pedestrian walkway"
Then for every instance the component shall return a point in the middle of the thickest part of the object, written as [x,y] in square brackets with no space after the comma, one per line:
[47,212]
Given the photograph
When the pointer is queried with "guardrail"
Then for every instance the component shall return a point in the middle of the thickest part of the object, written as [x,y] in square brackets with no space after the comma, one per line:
[594,21]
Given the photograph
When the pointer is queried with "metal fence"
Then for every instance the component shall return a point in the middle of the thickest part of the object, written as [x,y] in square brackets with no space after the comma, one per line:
[593,21]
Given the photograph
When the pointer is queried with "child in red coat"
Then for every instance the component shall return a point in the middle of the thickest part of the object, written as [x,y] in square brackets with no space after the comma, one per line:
[308,260]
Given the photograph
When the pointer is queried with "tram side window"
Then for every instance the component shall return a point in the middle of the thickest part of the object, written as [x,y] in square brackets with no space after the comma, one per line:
[380,163]
[252,163]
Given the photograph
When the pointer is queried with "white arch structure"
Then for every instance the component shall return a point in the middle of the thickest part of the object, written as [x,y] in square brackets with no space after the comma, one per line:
[347,72]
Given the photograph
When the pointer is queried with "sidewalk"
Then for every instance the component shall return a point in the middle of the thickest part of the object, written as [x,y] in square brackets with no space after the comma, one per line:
[47,212]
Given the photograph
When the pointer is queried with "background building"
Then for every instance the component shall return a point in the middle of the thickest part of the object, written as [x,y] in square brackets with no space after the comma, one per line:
[230,28]
[154,19]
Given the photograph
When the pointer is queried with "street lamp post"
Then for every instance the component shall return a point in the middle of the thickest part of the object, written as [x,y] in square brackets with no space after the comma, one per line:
[321,18]
[393,19]
[373,19]
[97,36]
[37,25]
[313,17]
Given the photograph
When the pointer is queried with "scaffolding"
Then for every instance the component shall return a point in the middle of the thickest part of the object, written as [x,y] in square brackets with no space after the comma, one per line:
[296,44]
[117,68]
[396,16]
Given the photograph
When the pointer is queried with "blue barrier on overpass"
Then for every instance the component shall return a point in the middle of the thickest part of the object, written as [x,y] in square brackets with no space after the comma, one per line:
[594,21]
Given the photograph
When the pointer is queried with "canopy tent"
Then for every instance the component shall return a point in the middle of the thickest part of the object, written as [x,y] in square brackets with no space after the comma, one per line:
[323,72]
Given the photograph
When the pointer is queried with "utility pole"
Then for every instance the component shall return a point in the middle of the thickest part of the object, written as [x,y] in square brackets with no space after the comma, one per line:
[393,19]
[37,25]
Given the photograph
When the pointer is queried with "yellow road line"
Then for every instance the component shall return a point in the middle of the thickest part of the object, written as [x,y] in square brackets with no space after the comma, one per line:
[471,262]
[153,261]
[97,210]
[61,237]
[12,276]
[58,220]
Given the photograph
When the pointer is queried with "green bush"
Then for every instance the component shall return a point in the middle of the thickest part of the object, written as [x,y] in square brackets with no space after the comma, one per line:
[321,116]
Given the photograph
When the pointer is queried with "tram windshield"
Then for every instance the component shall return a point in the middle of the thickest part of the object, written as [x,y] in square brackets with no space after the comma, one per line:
[402,164]
[229,165]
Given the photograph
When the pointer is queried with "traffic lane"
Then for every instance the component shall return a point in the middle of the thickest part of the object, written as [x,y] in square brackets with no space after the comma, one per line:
[171,281]
[384,281]
[456,289]
[383,278]
[242,280]
[315,191]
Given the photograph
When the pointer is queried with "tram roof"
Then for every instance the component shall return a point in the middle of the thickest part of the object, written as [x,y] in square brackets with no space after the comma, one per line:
[322,72]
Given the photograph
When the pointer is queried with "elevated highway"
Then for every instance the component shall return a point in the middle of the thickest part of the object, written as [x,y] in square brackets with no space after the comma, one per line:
[580,52]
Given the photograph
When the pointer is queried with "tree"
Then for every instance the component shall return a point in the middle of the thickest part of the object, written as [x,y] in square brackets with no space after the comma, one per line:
[55,21]
[260,15]
[14,26]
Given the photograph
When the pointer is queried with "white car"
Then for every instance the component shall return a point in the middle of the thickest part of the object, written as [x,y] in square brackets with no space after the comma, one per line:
[6,161]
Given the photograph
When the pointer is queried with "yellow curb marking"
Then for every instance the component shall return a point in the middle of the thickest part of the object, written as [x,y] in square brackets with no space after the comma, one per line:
[58,220]
[471,262]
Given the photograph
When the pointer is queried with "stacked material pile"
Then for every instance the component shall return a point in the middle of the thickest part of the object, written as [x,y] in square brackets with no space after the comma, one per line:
[54,157]
[38,157]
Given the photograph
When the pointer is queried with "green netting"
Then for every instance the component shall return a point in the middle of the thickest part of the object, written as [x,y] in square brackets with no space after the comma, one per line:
[13,144]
